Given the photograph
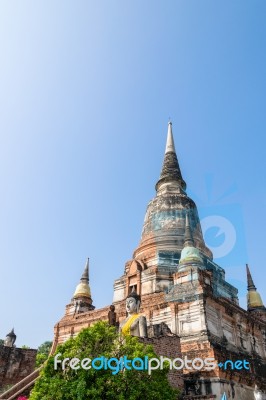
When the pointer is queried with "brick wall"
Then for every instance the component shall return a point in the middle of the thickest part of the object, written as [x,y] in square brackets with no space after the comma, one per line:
[15,364]
[168,346]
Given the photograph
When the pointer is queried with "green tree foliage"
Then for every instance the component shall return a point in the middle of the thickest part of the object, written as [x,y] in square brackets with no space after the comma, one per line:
[43,353]
[1,342]
[101,340]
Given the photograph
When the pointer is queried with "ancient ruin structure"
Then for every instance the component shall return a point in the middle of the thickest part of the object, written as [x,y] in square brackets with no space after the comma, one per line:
[190,309]
[184,294]
[15,363]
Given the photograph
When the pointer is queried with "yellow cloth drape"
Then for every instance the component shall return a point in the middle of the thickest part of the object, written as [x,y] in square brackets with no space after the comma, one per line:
[126,328]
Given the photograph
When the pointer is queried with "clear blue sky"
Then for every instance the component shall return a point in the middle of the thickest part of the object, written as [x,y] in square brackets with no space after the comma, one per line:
[86,90]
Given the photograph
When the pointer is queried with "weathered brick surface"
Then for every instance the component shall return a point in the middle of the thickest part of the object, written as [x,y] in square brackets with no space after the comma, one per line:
[71,324]
[168,346]
[15,364]
[200,341]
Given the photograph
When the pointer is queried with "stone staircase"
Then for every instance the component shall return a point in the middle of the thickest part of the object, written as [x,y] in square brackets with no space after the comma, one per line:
[25,385]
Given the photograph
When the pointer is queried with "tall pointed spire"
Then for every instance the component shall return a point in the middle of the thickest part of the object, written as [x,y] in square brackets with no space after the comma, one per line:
[251,285]
[254,300]
[189,254]
[170,146]
[188,234]
[85,275]
[81,300]
[170,171]
[83,288]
